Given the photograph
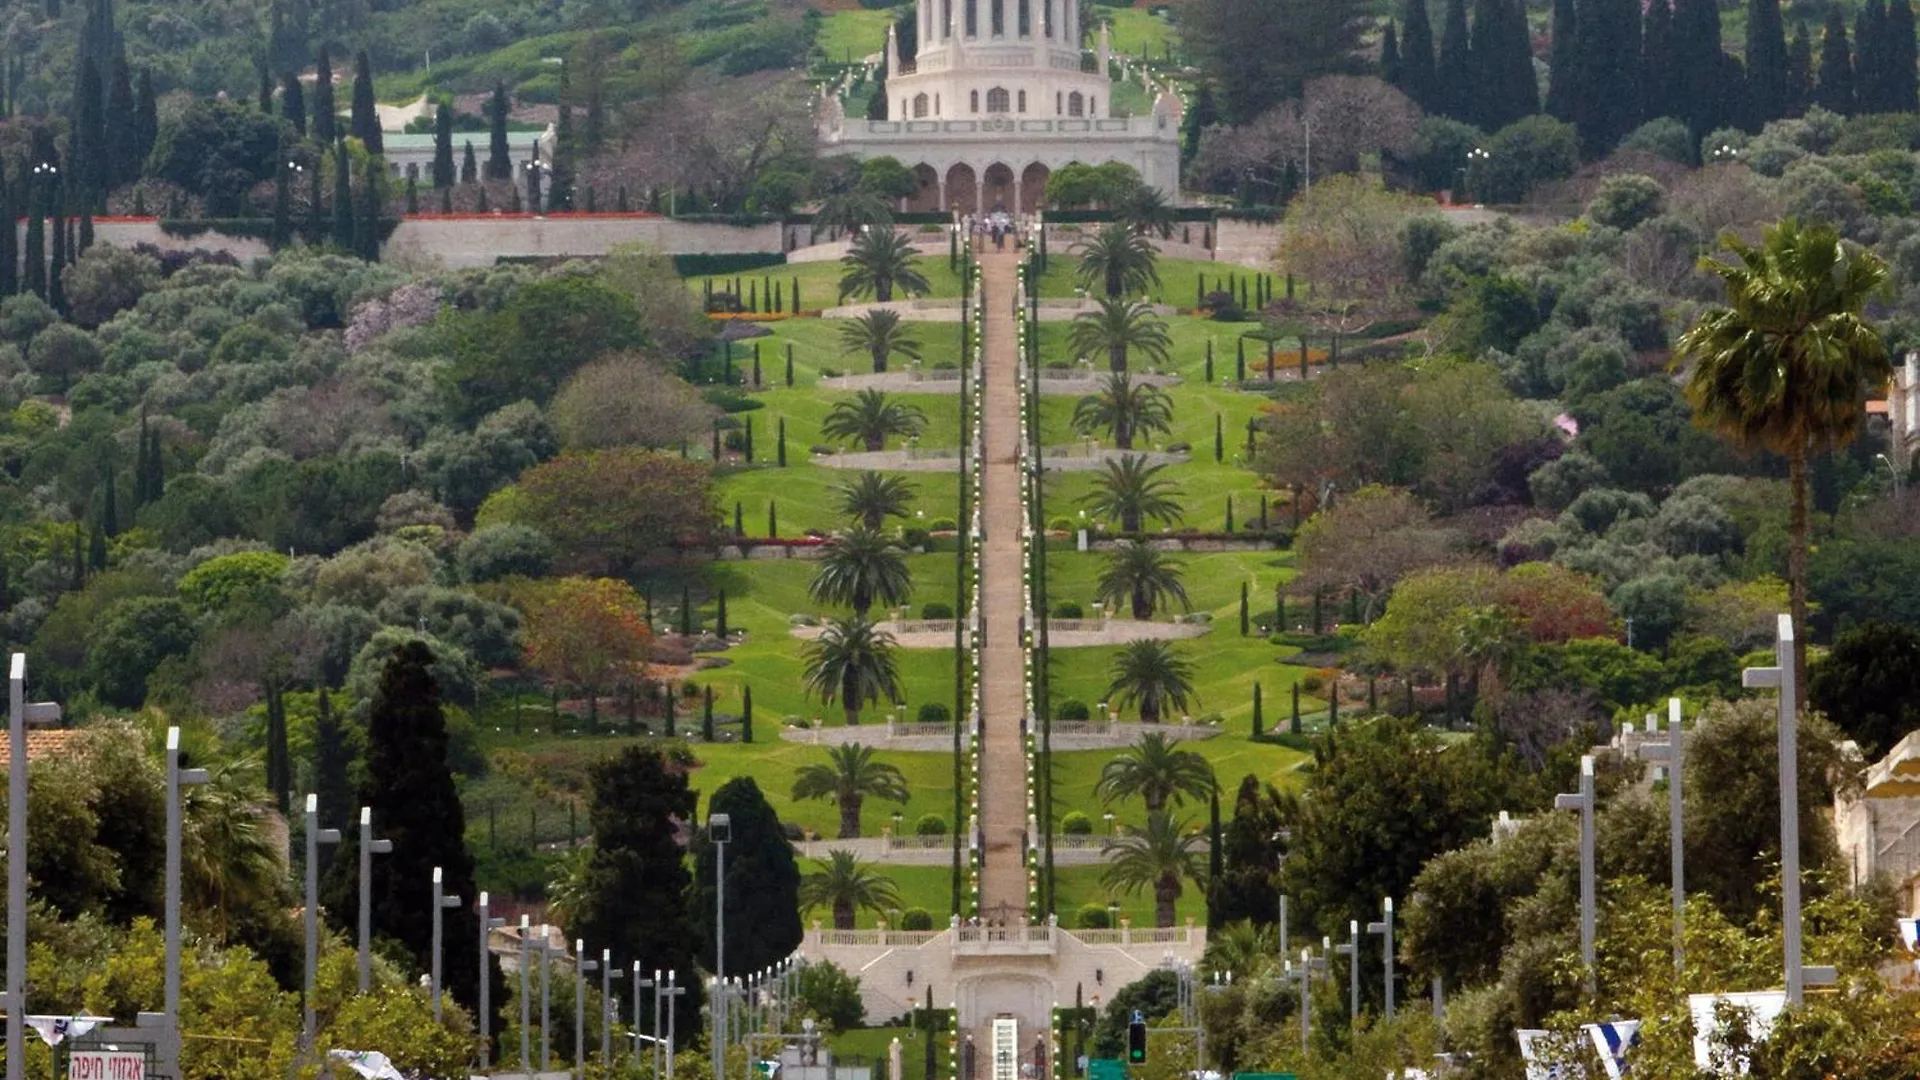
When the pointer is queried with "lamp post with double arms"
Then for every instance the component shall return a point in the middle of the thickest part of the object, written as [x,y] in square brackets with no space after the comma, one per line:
[441,902]
[369,847]
[488,924]
[1672,752]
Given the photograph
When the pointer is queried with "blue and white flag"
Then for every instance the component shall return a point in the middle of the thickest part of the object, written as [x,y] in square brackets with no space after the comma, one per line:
[1910,933]
[371,1064]
[1531,1053]
[54,1030]
[1754,1010]
[1613,1040]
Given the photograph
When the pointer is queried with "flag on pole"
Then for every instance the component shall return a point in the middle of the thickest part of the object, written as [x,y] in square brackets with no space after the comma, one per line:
[1613,1040]
[371,1064]
[1757,1009]
[53,1030]
[1533,1053]
[1910,937]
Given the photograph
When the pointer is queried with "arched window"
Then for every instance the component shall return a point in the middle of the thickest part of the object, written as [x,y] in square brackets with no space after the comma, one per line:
[920,106]
[1023,101]
[1076,105]
[997,99]
[973,101]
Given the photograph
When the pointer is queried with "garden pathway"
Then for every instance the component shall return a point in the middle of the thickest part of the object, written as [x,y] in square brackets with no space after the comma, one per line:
[1003,783]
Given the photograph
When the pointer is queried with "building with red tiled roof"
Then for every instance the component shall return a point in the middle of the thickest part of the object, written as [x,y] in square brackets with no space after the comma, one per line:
[41,745]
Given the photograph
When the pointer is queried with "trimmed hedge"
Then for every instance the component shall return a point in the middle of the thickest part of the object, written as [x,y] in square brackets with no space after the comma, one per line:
[717,265]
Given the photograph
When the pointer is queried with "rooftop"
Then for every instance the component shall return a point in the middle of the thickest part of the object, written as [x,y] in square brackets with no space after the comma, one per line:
[41,745]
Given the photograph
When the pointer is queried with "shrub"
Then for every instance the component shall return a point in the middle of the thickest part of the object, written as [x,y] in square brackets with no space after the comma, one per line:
[933,712]
[1067,609]
[930,825]
[1072,709]
[936,611]
[914,537]
[1666,137]
[1076,824]
[1626,200]
[1225,306]
[941,525]
[1179,447]
[1094,917]
[1060,524]
[916,919]
[1312,684]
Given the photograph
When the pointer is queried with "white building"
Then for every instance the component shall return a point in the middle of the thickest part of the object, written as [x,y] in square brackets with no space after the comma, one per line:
[995,98]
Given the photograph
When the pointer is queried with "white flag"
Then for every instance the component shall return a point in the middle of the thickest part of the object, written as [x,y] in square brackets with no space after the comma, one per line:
[1613,1040]
[1910,933]
[1530,1052]
[371,1064]
[54,1030]
[1761,1009]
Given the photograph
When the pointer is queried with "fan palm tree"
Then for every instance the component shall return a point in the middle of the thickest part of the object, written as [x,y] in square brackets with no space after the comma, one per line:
[849,776]
[870,498]
[1161,857]
[1118,261]
[846,885]
[1116,328]
[1145,211]
[852,662]
[1788,364]
[847,211]
[870,418]
[1131,491]
[879,334]
[1158,771]
[1153,676]
[1123,409]
[229,857]
[1141,578]
[859,569]
[1243,947]
[879,261]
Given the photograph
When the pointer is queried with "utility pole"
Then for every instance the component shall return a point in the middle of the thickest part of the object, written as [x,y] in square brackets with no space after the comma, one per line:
[526,1005]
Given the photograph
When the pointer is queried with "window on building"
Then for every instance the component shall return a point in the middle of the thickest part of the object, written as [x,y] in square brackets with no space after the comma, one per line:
[1076,105]
[1057,107]
[920,107]
[997,99]
[973,100]
[1026,18]
[936,104]
[1093,106]
[1023,101]
[946,19]
[999,17]
[973,18]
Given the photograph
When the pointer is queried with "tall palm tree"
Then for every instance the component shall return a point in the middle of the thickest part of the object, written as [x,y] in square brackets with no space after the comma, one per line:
[879,261]
[1158,771]
[849,776]
[1143,579]
[847,211]
[879,334]
[859,569]
[229,857]
[852,662]
[870,417]
[1118,261]
[1145,211]
[1123,409]
[1131,491]
[1118,327]
[1788,364]
[846,885]
[1161,857]
[1153,676]
[872,497]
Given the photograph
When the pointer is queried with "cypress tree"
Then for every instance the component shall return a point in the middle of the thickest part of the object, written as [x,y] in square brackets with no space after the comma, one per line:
[332,764]
[10,208]
[446,200]
[1900,58]
[123,157]
[96,548]
[1503,55]
[780,445]
[1834,91]
[109,504]
[1456,89]
[282,207]
[1563,70]
[499,157]
[469,168]
[265,93]
[279,762]
[560,183]
[1259,722]
[1697,67]
[1869,50]
[706,715]
[86,233]
[1799,70]
[88,144]
[1656,61]
[1609,47]
[413,195]
[324,110]
[1215,854]
[366,118]
[56,288]
[147,126]
[140,464]
[1766,61]
[773,521]
[746,714]
[443,148]
[720,613]
[342,198]
[366,219]
[1390,55]
[293,103]
[1417,78]
[316,198]
[763,921]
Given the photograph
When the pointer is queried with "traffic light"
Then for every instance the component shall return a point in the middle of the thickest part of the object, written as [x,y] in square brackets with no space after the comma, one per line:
[1137,1042]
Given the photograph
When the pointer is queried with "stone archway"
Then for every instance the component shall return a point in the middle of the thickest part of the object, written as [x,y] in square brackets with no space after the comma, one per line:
[926,195]
[963,190]
[1000,191]
[1033,187]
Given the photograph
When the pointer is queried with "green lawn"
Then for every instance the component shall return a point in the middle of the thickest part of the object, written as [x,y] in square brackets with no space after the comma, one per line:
[820,281]
[1137,31]
[850,36]
[1179,278]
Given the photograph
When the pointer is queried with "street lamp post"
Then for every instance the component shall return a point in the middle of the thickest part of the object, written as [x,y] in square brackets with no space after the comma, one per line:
[1893,471]
[1673,753]
[19,714]
[526,1005]
[1582,801]
[441,902]
[673,993]
[581,965]
[719,832]
[546,1000]
[1476,158]
[1385,929]
[369,847]
[177,778]
[639,983]
[1282,925]
[488,923]
[607,974]
[1781,675]
[315,837]
[1351,950]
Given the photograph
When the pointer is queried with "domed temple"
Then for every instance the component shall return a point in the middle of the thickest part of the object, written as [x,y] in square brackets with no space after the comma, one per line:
[999,94]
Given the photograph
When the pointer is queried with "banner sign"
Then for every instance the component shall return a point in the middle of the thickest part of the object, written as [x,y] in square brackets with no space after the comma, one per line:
[107,1065]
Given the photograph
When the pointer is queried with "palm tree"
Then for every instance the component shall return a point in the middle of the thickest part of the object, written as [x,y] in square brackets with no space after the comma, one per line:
[870,418]
[1116,327]
[879,334]
[1788,365]
[860,568]
[1151,674]
[229,857]
[1142,578]
[1118,260]
[1132,491]
[847,211]
[1144,209]
[852,662]
[1159,857]
[879,260]
[1124,408]
[1242,947]
[872,497]
[848,777]
[1158,771]
[846,885]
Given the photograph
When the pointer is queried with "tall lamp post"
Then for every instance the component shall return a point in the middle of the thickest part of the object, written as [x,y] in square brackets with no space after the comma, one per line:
[488,923]
[441,902]
[1385,929]
[608,973]
[1672,752]
[526,1003]
[19,714]
[581,965]
[1781,675]
[1351,950]
[719,832]
[673,992]
[315,837]
[177,778]
[369,847]
[639,983]
[1582,801]
[1476,158]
